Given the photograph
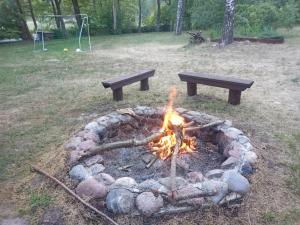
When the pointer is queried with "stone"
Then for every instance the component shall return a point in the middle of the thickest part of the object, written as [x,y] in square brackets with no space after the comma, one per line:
[243,139]
[235,147]
[149,185]
[248,146]
[236,182]
[120,201]
[229,162]
[250,157]
[180,182]
[246,168]
[79,173]
[96,169]
[181,110]
[94,127]
[52,216]
[222,192]
[73,143]
[73,157]
[210,187]
[87,145]
[105,178]
[93,160]
[15,221]
[195,177]
[216,173]
[91,188]
[148,204]
[125,182]
[90,135]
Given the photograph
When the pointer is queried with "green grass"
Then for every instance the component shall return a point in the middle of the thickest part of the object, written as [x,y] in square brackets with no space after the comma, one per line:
[39,200]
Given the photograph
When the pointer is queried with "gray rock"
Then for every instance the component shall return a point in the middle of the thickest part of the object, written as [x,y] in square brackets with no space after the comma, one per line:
[124,182]
[73,143]
[93,160]
[73,157]
[105,178]
[248,146]
[180,182]
[222,192]
[235,153]
[94,127]
[53,216]
[181,110]
[87,145]
[149,185]
[250,157]
[243,139]
[210,187]
[148,204]
[91,188]
[216,173]
[236,182]
[79,173]
[195,177]
[90,135]
[15,221]
[120,201]
[229,162]
[96,169]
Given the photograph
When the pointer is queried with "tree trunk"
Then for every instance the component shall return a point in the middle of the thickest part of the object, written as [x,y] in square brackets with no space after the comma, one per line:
[77,12]
[60,19]
[32,14]
[55,13]
[25,34]
[228,24]
[158,16]
[179,17]
[140,16]
[114,11]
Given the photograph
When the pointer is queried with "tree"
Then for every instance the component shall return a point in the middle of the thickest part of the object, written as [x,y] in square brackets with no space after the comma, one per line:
[158,16]
[59,20]
[32,14]
[77,12]
[140,16]
[228,23]
[179,17]
[115,17]
[25,34]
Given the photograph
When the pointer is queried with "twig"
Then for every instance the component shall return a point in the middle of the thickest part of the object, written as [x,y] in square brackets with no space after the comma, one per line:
[178,134]
[35,168]
[120,144]
[212,124]
[151,162]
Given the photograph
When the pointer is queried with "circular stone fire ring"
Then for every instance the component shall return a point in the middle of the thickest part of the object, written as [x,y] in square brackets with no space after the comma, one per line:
[133,181]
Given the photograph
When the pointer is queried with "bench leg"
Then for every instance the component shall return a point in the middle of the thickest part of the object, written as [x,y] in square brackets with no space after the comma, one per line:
[191,89]
[144,85]
[118,94]
[234,97]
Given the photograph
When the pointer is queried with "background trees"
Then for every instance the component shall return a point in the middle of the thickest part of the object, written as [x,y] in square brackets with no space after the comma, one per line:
[252,18]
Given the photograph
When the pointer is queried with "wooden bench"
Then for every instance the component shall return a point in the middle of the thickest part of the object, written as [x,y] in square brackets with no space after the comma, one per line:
[235,85]
[117,83]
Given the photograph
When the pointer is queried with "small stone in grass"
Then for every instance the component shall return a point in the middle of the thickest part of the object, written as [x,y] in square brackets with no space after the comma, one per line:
[250,157]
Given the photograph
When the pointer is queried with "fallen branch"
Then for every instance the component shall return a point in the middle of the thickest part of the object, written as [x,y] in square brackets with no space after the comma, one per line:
[212,124]
[120,144]
[178,134]
[35,168]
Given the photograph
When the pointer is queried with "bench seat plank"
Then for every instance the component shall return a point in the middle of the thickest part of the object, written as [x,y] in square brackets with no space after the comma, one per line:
[217,81]
[121,81]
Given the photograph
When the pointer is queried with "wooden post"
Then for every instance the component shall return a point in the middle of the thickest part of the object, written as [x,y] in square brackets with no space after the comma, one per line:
[191,89]
[118,94]
[234,97]
[144,85]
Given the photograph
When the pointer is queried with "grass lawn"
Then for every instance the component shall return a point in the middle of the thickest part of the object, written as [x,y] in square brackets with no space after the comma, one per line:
[46,96]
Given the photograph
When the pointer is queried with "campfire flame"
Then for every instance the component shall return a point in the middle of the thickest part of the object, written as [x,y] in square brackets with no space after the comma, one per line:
[164,147]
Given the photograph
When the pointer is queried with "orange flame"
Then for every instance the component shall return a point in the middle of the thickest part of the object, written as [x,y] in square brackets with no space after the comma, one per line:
[164,147]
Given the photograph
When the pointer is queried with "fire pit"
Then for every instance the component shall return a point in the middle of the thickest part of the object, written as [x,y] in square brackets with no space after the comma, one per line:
[156,161]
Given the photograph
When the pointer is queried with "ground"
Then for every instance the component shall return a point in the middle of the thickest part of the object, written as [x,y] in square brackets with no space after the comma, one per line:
[47,96]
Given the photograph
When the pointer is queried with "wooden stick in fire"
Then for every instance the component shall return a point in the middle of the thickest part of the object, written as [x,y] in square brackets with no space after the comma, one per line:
[212,124]
[179,137]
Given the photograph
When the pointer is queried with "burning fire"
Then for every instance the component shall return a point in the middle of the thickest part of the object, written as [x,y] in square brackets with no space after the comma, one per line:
[164,147]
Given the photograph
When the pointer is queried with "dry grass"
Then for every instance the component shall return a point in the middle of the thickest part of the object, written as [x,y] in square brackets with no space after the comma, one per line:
[47,96]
